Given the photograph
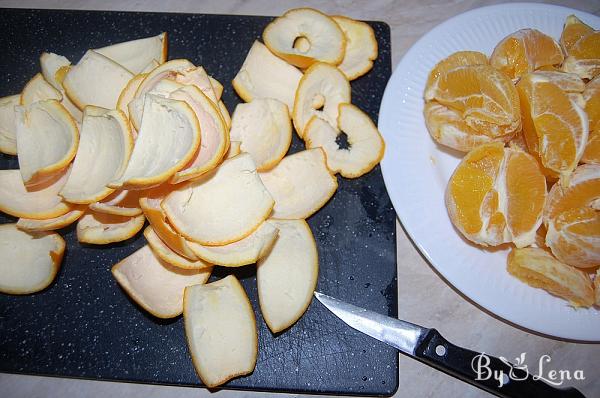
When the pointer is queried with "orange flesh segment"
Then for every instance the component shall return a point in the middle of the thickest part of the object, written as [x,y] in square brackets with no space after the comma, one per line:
[588,47]
[526,190]
[487,99]
[460,58]
[575,197]
[525,51]
[472,181]
[551,124]
[573,30]
[538,268]
[592,108]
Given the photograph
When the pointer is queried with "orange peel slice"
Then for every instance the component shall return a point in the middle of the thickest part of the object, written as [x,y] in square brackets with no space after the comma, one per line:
[29,262]
[245,251]
[222,206]
[154,285]
[221,330]
[366,146]
[323,40]
[102,229]
[287,276]
[264,129]
[300,184]
[105,146]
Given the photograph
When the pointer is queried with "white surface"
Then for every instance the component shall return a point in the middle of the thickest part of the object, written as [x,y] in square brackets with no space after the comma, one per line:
[416,171]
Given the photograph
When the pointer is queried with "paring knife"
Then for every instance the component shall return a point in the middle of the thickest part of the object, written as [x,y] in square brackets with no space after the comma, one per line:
[428,346]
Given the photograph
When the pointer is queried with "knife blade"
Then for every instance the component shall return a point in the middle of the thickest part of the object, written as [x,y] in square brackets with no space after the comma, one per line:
[428,346]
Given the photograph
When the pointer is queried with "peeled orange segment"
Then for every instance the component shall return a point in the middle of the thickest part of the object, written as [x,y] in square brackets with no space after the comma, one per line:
[537,268]
[40,202]
[568,82]
[245,251]
[51,224]
[447,127]
[222,206]
[221,330]
[460,58]
[150,203]
[96,80]
[264,75]
[591,96]
[38,89]
[287,276]
[167,140]
[300,184]
[128,93]
[572,217]
[592,149]
[496,195]
[320,91]
[264,129]
[104,149]
[120,203]
[47,140]
[214,139]
[167,255]
[525,196]
[217,87]
[485,97]
[135,55]
[524,51]
[154,285]
[518,142]
[365,145]
[197,77]
[584,56]
[8,128]
[102,229]
[234,149]
[573,30]
[555,127]
[324,41]
[29,262]
[361,47]
[54,68]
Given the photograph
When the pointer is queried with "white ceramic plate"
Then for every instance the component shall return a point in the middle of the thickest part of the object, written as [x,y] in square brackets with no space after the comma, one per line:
[416,171]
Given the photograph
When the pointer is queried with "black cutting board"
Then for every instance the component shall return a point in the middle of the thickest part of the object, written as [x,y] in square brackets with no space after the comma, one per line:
[85,326]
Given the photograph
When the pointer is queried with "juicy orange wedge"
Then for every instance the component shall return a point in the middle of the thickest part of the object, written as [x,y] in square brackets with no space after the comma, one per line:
[496,195]
[572,218]
[554,126]
[581,43]
[448,125]
[538,268]
[573,30]
[591,96]
[524,51]
[485,98]
[460,58]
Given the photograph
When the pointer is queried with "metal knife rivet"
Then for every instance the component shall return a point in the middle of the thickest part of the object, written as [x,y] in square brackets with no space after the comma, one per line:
[440,350]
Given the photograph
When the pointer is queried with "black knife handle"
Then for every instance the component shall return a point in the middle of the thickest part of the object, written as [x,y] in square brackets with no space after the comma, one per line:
[457,362]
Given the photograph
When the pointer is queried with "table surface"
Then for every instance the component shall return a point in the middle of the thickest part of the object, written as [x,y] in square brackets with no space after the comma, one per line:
[453,315]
